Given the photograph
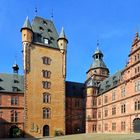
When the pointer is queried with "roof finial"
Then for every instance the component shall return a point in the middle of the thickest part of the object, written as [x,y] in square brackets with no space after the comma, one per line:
[52,15]
[15,58]
[36,11]
[97,44]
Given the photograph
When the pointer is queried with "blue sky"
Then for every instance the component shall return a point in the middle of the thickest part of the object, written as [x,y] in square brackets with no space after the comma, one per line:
[112,22]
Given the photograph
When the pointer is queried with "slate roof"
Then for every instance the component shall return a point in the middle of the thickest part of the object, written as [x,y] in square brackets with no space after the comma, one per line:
[74,89]
[43,28]
[97,51]
[110,82]
[27,24]
[10,81]
[98,63]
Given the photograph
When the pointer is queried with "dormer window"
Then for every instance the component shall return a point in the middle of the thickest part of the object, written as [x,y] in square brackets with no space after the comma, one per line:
[41,29]
[44,22]
[46,41]
[16,81]
[49,30]
[15,89]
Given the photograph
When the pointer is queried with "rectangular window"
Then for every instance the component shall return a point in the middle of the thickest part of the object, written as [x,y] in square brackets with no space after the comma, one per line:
[94,115]
[99,127]
[137,105]
[14,100]
[46,40]
[123,108]
[46,85]
[14,116]
[46,60]
[122,126]
[113,110]
[106,113]
[77,103]
[46,74]
[105,99]
[113,126]
[123,91]
[94,102]
[99,101]
[94,127]
[106,126]
[113,95]
[137,86]
[0,100]
[99,114]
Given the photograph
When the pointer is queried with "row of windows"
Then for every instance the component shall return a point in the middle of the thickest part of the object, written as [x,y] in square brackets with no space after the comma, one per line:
[46,73]
[14,100]
[123,110]
[113,96]
[123,126]
[123,93]
[14,114]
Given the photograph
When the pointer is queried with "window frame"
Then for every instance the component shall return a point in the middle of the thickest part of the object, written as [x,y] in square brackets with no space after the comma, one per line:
[46,113]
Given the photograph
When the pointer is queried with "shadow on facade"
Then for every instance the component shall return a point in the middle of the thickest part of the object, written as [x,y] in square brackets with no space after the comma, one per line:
[12,130]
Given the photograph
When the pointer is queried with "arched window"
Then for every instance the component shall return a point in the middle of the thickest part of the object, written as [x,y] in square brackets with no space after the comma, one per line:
[46,113]
[46,98]
[14,116]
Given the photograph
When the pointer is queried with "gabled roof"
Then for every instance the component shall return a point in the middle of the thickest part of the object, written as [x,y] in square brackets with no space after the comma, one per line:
[74,89]
[10,81]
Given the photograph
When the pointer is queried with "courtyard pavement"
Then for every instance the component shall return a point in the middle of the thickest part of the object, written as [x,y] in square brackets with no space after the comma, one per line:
[89,137]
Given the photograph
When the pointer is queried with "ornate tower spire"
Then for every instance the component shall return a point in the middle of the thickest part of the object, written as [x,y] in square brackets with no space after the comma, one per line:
[98,70]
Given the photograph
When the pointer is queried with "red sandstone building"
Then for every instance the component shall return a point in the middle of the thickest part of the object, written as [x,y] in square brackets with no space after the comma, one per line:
[113,102]
[11,104]
[108,104]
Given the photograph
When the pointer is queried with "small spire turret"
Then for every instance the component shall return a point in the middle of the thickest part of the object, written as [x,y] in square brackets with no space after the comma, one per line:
[15,68]
[27,24]
[62,35]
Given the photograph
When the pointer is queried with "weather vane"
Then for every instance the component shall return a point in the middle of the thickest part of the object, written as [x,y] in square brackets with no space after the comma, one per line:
[97,44]
[36,11]
[52,15]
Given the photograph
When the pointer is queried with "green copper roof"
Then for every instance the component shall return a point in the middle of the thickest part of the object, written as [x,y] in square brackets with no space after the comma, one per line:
[27,24]
[44,29]
[11,82]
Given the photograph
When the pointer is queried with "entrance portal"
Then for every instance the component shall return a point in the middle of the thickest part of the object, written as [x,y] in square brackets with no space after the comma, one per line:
[15,132]
[46,130]
[136,124]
